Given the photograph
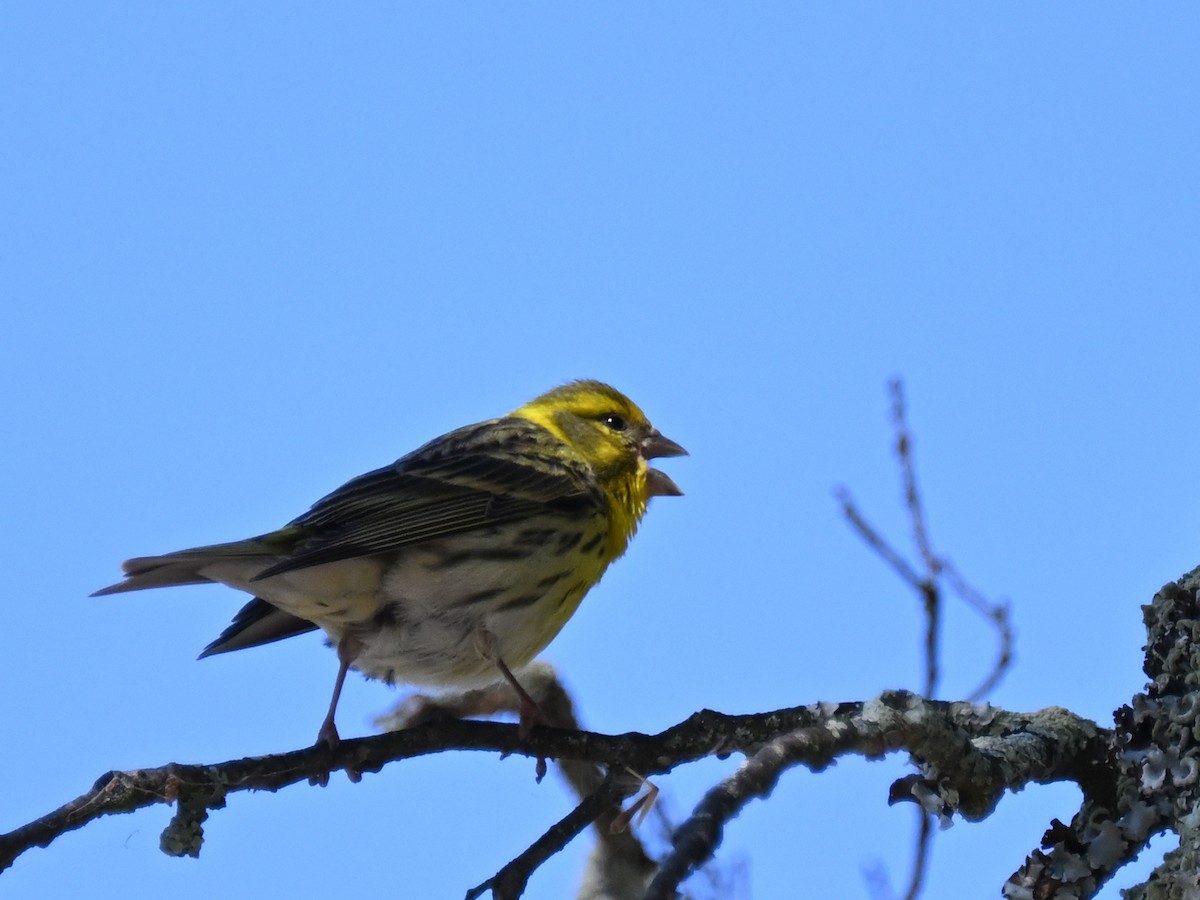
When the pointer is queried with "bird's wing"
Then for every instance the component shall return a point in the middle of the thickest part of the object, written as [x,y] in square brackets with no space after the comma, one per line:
[258,622]
[499,471]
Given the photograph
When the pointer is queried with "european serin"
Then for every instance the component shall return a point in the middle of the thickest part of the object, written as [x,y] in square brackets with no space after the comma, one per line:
[458,560]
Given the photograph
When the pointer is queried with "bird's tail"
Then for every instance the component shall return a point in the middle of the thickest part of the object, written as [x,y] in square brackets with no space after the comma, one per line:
[187,566]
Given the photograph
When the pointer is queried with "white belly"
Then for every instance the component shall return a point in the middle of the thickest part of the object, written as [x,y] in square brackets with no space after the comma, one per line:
[436,606]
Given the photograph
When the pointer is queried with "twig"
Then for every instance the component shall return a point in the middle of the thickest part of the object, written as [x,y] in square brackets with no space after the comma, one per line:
[509,883]
[921,863]
[927,585]
[875,540]
[697,839]
[908,473]
[619,859]
[998,613]
[931,599]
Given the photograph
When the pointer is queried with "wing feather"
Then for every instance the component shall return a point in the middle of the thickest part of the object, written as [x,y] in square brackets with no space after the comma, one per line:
[258,622]
[496,472]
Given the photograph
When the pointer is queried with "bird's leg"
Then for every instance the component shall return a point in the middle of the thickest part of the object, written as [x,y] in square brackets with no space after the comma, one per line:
[348,648]
[530,713]
[640,807]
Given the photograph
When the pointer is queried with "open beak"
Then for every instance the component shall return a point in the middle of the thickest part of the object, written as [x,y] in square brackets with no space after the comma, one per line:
[659,484]
[657,445]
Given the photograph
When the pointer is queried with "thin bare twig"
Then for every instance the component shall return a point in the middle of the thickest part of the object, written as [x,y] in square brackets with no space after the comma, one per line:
[620,857]
[875,540]
[509,883]
[931,598]
[928,586]
[908,473]
[1000,616]
[921,863]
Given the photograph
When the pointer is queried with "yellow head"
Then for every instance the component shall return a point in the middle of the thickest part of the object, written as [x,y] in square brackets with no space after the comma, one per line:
[614,438]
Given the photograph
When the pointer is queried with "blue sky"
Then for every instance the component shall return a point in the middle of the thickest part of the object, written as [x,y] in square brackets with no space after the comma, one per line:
[249,253]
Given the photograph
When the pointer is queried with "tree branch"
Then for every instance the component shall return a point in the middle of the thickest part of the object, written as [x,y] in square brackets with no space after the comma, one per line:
[972,753]
[1151,780]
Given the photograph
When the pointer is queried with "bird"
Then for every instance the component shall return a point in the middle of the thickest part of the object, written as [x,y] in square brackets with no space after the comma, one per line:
[457,563]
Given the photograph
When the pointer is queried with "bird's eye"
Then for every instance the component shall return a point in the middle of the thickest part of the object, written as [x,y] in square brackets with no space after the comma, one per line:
[616,423]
